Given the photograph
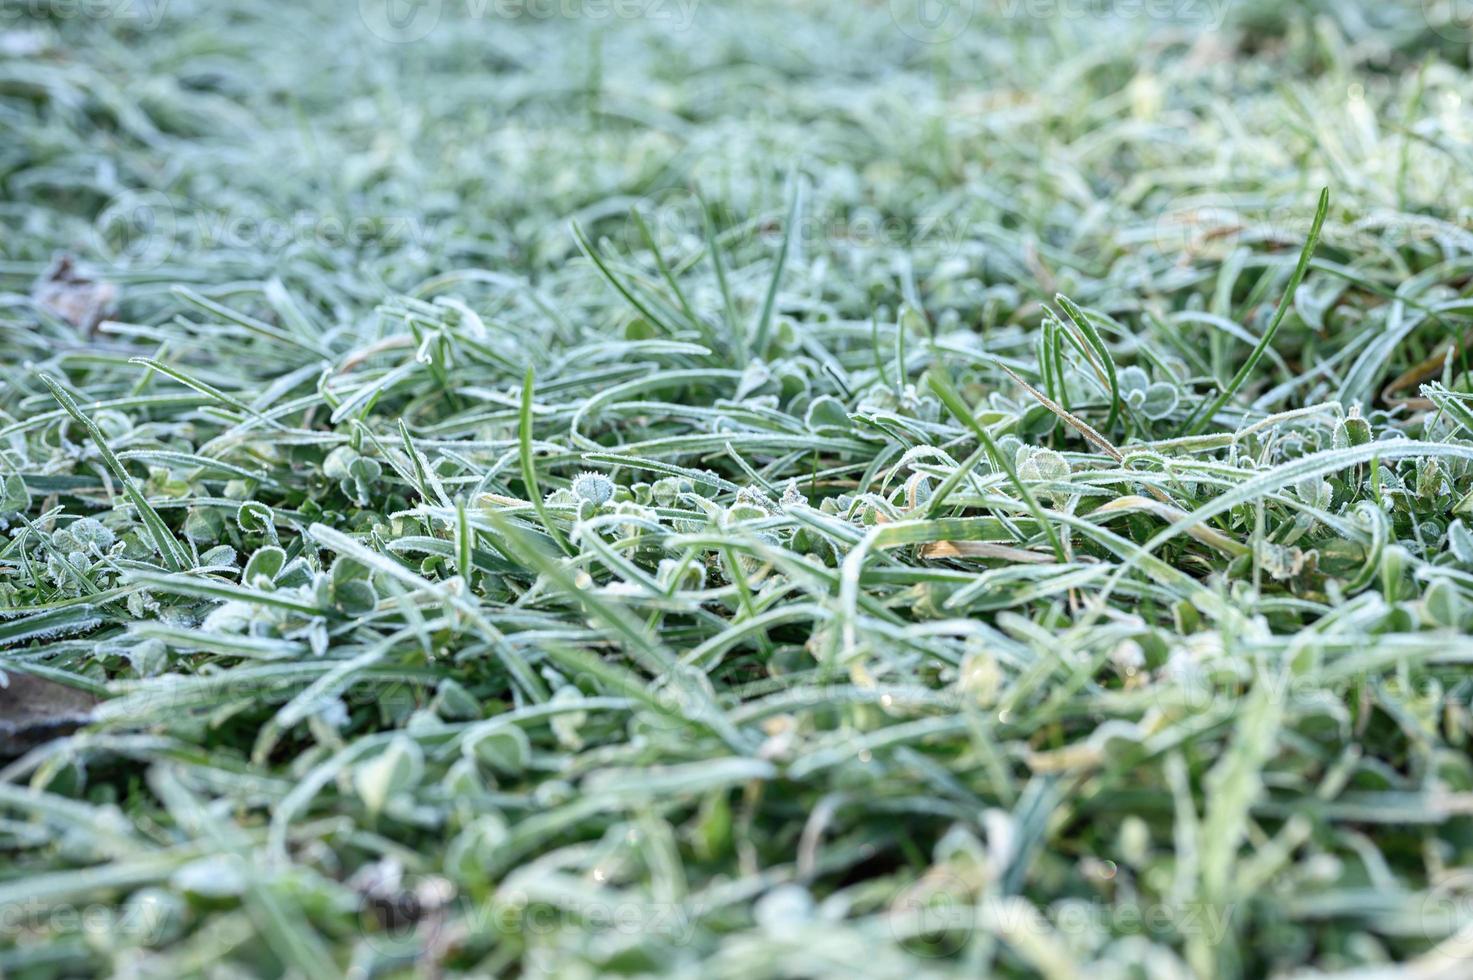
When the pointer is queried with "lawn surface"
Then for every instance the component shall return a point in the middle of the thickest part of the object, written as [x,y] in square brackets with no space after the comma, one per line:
[763,489]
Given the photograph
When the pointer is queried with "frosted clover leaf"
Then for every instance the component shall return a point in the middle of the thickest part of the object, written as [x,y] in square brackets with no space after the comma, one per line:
[1041,464]
[1460,542]
[826,415]
[1431,479]
[1154,400]
[754,498]
[1281,562]
[230,617]
[14,497]
[1035,465]
[87,535]
[1315,491]
[395,770]
[73,550]
[1353,430]
[674,575]
[356,474]
[593,487]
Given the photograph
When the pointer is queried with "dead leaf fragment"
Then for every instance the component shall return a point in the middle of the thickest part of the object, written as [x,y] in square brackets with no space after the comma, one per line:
[983,549]
[76,299]
[1204,534]
[34,710]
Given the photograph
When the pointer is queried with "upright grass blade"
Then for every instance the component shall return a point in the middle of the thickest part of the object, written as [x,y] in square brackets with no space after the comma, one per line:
[174,554]
[763,328]
[1200,419]
[728,306]
[1101,356]
[624,289]
[529,465]
[694,319]
[942,386]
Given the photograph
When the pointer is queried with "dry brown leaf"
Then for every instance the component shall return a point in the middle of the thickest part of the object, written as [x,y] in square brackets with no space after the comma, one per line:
[34,710]
[76,299]
[983,549]
[1206,535]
